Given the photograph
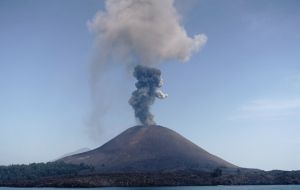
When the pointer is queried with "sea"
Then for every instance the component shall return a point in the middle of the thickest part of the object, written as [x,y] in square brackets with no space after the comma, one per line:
[250,187]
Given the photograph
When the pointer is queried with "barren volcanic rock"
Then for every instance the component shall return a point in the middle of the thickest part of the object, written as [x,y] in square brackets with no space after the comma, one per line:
[149,149]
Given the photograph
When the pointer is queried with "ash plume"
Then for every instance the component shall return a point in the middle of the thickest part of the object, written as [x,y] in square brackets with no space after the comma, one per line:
[143,32]
[139,32]
[148,83]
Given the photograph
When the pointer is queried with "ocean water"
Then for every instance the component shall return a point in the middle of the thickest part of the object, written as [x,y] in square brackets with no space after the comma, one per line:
[255,187]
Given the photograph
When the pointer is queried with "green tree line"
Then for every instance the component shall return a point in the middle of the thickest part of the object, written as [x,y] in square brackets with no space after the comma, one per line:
[39,170]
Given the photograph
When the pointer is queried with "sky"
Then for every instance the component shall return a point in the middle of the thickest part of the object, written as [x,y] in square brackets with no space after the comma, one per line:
[238,98]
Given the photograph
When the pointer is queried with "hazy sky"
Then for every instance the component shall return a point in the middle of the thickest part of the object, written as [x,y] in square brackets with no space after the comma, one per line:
[239,98]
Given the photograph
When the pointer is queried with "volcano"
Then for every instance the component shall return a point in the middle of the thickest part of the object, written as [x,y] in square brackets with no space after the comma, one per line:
[149,149]
[142,157]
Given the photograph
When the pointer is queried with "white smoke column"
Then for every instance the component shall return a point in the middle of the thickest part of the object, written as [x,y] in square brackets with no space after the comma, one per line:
[147,31]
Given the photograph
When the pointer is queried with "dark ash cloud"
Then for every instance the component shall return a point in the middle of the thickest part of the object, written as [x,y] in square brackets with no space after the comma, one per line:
[148,83]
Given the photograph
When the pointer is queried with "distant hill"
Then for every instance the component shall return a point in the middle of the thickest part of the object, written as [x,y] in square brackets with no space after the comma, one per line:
[149,149]
[81,150]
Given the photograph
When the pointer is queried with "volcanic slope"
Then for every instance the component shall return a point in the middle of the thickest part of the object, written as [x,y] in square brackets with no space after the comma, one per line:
[149,149]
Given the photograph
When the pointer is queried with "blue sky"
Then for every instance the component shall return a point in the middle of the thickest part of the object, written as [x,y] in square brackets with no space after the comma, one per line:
[238,98]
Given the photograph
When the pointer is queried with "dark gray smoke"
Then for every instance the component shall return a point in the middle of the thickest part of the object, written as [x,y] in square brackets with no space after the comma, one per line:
[148,84]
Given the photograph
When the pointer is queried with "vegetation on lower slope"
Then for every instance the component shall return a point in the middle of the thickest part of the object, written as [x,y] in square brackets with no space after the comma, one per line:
[83,176]
[37,171]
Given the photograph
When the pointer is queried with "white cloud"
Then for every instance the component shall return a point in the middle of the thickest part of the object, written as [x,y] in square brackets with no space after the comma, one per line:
[293,80]
[268,109]
[272,105]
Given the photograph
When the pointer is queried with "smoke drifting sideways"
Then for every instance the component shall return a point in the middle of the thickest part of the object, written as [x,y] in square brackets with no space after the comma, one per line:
[139,32]
[148,84]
